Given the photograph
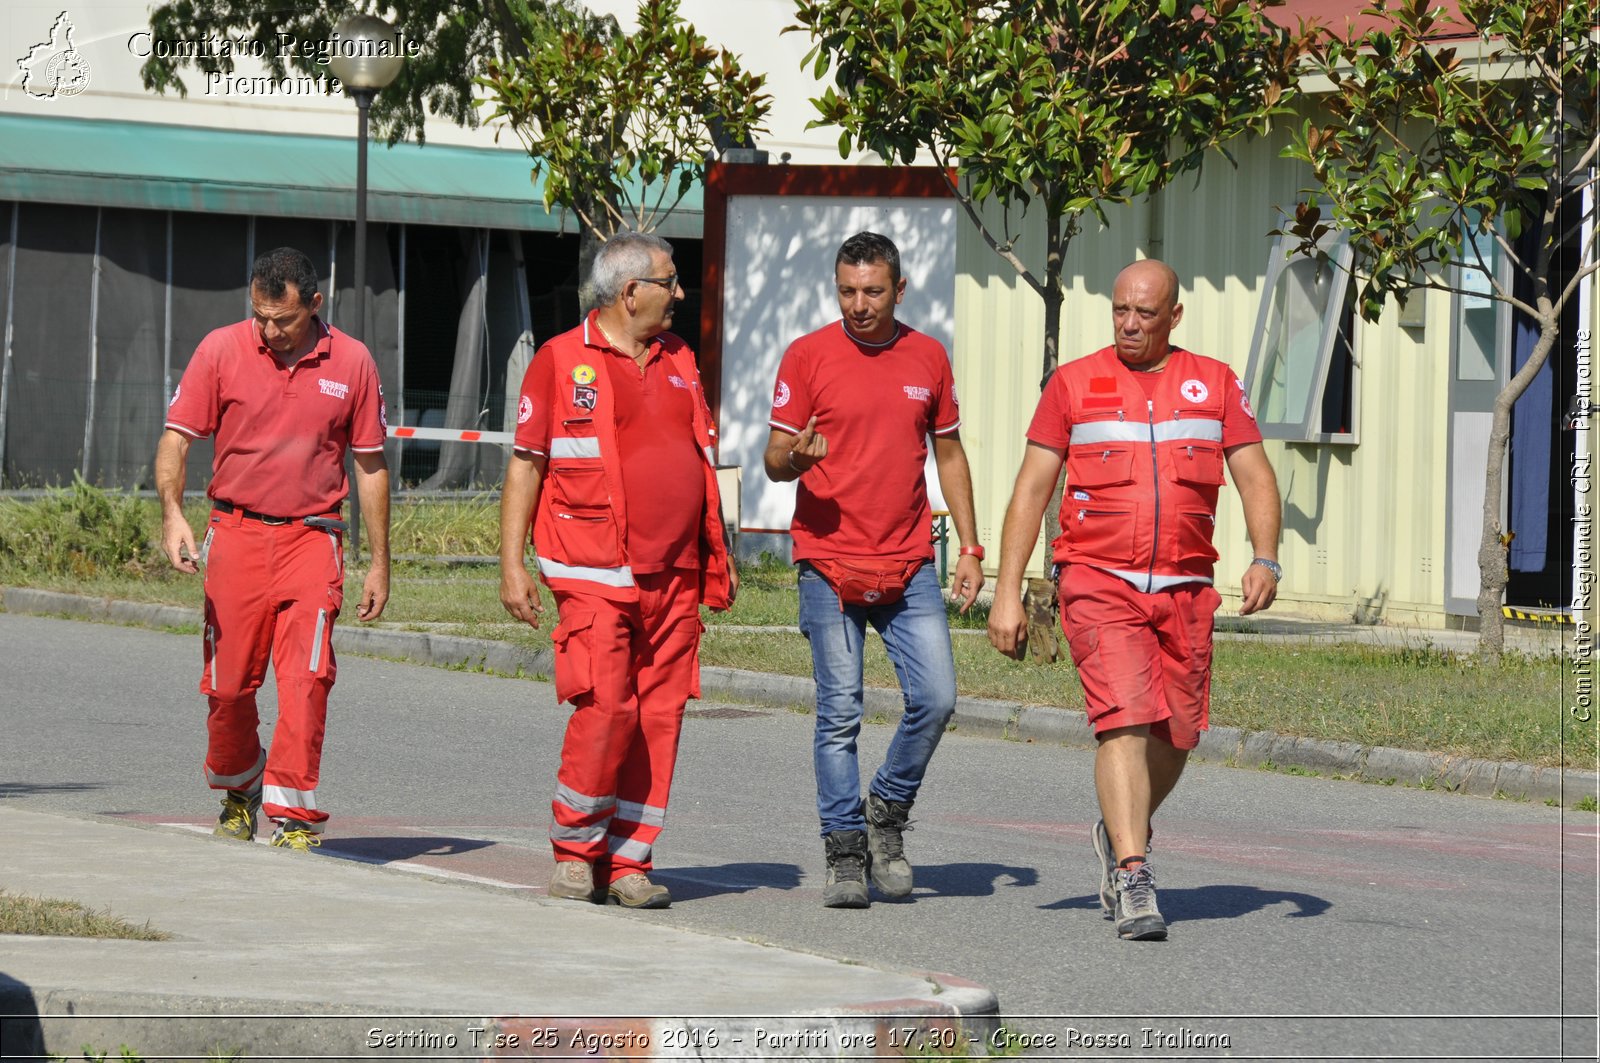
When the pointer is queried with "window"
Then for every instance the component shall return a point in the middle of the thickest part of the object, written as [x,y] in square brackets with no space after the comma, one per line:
[1301,377]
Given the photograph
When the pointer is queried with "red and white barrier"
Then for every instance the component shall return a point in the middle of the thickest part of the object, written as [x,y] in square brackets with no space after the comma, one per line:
[450,435]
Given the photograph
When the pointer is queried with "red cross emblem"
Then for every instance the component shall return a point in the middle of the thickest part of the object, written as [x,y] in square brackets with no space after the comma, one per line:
[1194,391]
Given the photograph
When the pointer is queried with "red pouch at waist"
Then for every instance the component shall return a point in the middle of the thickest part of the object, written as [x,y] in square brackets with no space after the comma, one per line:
[868,582]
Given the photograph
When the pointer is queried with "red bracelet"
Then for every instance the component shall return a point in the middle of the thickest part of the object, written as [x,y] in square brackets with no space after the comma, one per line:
[972,551]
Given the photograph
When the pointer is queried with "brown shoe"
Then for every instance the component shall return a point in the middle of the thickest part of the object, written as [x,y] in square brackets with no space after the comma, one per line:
[636,891]
[573,881]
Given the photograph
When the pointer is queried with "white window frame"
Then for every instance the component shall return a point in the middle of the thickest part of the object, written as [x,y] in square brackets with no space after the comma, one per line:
[1304,425]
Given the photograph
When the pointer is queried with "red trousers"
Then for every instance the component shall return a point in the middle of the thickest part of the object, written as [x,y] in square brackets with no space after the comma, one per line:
[272,592]
[628,668]
[1142,658]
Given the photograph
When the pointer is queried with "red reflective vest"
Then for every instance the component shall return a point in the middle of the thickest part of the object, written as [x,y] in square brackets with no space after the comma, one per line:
[580,525]
[1143,474]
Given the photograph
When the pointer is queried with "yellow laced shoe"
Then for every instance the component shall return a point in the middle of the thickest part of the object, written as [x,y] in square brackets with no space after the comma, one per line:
[238,818]
[297,836]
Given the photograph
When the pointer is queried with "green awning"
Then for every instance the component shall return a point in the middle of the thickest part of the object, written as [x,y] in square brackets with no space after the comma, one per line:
[187,168]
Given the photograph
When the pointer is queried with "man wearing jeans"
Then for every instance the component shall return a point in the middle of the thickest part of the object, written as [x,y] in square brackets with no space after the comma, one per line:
[852,411]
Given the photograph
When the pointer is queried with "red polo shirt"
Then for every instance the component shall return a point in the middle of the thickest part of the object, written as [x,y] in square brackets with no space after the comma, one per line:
[876,404]
[281,432]
[662,478]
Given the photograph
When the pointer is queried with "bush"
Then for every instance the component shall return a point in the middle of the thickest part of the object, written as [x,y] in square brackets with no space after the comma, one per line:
[79,531]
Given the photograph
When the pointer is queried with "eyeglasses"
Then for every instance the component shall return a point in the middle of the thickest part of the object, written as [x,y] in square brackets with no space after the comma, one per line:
[669,282]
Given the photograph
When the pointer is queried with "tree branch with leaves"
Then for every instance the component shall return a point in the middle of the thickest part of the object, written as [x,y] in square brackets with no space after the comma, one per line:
[1434,151]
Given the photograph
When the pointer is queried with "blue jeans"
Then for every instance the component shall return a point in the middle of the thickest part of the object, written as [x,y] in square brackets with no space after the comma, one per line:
[917,635]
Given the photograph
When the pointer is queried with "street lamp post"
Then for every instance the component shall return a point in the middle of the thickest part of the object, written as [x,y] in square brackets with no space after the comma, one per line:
[367,58]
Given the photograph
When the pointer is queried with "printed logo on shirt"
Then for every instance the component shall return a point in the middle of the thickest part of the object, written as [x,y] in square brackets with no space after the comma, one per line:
[1194,391]
[1244,404]
[583,374]
[175,391]
[781,396]
[334,388]
[916,393]
[1081,496]
[678,382]
[585,398]
[524,409]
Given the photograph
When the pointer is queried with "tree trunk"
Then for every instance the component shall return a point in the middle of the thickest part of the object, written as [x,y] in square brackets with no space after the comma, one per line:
[1492,545]
[1039,597]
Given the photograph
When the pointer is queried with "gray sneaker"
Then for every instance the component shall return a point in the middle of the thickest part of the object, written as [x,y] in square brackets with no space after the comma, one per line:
[1138,918]
[846,885]
[887,822]
[238,818]
[1108,867]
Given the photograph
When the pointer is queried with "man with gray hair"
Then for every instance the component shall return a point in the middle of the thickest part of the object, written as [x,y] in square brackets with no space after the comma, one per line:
[612,470]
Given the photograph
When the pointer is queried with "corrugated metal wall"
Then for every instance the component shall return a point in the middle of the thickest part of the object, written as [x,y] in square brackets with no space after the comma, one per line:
[1364,523]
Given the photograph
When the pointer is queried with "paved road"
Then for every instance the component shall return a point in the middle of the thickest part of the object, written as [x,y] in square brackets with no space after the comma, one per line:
[1309,917]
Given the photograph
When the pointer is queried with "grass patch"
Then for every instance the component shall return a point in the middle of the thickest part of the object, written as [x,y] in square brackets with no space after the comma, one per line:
[48,917]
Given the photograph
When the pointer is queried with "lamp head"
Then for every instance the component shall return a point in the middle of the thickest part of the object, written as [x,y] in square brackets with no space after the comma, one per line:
[367,54]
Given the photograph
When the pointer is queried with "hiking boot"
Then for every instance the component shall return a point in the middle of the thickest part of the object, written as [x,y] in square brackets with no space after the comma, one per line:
[846,885]
[1138,918]
[573,881]
[887,821]
[1108,867]
[238,818]
[294,834]
[637,891]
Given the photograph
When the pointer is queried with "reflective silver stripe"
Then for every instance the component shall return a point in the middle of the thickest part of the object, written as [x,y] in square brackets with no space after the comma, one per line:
[575,447]
[1144,581]
[1110,432]
[591,833]
[1202,429]
[316,640]
[649,815]
[211,640]
[237,782]
[582,803]
[629,848]
[710,455]
[287,798]
[610,577]
[338,555]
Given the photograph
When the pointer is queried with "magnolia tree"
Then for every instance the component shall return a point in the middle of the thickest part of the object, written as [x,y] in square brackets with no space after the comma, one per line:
[1051,109]
[1430,156]
[620,127]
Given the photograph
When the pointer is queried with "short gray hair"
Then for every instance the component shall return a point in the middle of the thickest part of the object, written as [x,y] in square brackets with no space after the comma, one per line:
[619,260]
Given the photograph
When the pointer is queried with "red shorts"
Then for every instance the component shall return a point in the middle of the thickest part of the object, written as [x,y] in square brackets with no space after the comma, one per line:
[1142,658]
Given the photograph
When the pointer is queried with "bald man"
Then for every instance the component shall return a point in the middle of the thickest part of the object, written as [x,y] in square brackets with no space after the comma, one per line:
[1145,430]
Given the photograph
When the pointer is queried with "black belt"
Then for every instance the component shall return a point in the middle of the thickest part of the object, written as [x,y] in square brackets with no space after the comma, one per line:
[265,518]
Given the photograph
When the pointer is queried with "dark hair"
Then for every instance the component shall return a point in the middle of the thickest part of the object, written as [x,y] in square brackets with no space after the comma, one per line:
[274,271]
[865,248]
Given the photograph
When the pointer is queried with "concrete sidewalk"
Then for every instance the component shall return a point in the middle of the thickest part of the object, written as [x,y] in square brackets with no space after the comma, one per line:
[282,955]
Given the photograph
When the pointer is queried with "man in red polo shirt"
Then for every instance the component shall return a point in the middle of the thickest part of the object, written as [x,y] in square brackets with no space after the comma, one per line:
[612,468]
[286,396]
[853,409]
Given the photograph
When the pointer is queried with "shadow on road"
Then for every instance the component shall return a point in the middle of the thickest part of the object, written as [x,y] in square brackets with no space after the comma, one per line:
[385,850]
[972,880]
[27,789]
[21,1036]
[1212,902]
[696,883]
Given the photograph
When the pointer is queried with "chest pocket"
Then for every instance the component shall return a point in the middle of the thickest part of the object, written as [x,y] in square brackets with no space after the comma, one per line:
[1100,465]
[1198,463]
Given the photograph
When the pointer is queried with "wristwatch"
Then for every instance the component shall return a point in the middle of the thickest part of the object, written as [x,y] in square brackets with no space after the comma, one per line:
[972,551]
[1271,566]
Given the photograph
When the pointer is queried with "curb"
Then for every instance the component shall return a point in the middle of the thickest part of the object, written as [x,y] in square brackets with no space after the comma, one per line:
[1003,719]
